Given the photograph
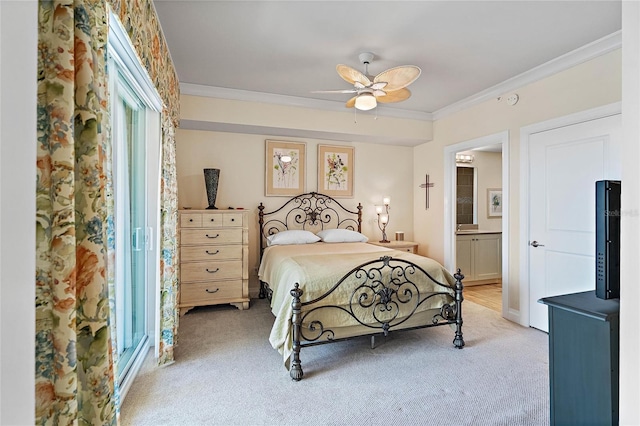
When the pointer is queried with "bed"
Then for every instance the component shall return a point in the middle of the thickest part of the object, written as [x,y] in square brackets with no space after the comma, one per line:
[326,284]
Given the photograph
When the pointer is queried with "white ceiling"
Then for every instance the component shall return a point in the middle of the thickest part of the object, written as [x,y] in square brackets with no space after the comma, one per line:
[292,47]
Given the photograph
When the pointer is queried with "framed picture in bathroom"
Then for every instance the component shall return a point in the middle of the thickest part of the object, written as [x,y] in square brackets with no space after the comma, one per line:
[494,203]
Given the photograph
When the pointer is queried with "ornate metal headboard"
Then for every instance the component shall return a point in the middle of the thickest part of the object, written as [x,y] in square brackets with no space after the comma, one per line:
[311,211]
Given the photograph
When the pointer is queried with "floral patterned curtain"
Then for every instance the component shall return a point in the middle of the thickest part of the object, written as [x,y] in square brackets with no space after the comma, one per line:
[74,366]
[75,350]
[169,312]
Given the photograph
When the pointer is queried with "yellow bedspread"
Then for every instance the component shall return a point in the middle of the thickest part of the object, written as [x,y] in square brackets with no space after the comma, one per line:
[317,267]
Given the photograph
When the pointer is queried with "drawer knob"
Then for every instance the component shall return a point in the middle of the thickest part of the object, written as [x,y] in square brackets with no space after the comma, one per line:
[216,252]
[212,272]
[190,220]
[209,291]
[233,220]
[215,236]
[213,220]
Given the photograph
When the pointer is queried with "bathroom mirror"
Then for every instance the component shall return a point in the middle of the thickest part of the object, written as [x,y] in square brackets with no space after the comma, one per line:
[466,195]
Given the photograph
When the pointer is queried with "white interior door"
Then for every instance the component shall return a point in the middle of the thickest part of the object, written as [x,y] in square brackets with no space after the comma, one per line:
[564,165]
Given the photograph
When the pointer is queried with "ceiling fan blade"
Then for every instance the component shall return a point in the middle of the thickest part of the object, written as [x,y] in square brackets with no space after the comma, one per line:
[394,96]
[351,102]
[398,77]
[335,91]
[352,76]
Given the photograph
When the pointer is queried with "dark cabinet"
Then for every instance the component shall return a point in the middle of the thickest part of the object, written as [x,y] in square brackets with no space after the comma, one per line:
[583,359]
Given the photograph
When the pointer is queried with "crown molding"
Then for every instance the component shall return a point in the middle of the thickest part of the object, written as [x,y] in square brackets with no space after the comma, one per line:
[561,63]
[272,98]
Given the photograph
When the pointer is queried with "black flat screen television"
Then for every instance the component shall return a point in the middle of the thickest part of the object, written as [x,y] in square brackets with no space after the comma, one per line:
[608,239]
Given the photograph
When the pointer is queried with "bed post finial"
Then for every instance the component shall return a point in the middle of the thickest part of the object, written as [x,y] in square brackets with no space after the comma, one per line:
[359,217]
[458,341]
[296,366]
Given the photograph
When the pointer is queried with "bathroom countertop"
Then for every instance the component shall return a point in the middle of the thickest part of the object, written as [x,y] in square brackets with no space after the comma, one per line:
[476,231]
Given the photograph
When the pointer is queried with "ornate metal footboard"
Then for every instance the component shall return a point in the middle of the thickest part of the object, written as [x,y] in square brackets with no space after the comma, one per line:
[385,296]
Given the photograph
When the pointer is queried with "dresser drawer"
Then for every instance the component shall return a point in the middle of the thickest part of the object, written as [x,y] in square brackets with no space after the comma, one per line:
[190,220]
[212,220]
[200,253]
[210,293]
[210,271]
[232,219]
[221,219]
[210,236]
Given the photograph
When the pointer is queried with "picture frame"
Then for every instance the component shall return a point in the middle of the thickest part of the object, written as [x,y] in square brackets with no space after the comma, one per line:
[494,203]
[336,170]
[285,178]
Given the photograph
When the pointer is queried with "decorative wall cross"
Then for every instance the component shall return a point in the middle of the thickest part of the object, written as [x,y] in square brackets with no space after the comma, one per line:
[426,185]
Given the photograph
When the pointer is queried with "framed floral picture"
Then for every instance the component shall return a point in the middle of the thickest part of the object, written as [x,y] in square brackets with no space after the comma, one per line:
[285,168]
[335,170]
[494,203]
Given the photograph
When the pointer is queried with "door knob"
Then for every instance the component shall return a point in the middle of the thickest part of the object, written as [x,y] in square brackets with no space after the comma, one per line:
[536,244]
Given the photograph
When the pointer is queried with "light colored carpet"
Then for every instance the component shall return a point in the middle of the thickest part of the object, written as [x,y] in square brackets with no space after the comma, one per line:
[226,373]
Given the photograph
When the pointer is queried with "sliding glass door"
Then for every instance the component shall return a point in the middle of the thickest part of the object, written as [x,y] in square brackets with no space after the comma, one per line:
[136,144]
[130,222]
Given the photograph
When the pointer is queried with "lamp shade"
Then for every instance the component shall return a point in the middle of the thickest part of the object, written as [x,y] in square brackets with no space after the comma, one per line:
[365,102]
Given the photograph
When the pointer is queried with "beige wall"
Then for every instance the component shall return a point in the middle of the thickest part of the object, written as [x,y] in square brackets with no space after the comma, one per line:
[360,126]
[588,85]
[380,170]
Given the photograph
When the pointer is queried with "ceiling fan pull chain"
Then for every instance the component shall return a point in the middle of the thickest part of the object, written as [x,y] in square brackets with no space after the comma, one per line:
[355,118]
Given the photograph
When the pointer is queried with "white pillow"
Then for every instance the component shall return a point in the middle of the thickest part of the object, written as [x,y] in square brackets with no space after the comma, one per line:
[342,236]
[292,237]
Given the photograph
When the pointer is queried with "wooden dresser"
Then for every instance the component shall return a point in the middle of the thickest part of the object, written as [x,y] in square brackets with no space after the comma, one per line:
[214,258]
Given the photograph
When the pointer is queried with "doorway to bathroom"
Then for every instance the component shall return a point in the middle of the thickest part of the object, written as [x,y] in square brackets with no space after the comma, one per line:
[477,218]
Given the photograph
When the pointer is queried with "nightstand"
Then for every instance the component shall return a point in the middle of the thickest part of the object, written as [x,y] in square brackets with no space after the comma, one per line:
[408,246]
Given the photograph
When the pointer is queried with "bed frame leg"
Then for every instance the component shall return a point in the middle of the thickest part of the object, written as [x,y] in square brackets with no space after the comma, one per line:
[263,291]
[458,341]
[296,366]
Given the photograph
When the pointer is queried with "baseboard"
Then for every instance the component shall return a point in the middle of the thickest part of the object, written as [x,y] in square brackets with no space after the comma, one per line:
[482,282]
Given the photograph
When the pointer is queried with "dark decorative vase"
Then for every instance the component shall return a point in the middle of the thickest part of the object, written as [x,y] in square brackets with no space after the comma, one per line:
[211,177]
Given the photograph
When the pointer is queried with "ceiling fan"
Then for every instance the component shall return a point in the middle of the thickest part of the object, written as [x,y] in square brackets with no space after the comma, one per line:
[387,87]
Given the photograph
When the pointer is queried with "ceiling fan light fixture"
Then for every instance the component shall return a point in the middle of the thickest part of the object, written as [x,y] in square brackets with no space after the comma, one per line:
[365,102]
[387,87]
